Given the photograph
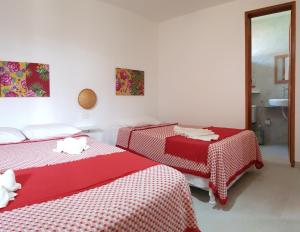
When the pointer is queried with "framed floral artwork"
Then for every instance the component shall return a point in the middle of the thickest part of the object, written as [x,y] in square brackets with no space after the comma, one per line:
[129,82]
[21,79]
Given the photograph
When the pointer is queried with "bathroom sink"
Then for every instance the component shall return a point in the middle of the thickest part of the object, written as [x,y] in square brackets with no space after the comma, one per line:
[278,102]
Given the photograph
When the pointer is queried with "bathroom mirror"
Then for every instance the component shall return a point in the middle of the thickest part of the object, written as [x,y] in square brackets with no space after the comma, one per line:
[281,69]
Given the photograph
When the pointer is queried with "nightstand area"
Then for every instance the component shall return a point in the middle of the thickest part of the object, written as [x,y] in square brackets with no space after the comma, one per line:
[92,131]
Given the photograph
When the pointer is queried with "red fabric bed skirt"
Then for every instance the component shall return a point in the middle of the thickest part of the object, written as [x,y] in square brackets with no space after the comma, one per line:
[223,201]
[52,182]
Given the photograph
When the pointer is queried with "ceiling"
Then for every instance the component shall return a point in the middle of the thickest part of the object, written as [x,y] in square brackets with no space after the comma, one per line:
[160,10]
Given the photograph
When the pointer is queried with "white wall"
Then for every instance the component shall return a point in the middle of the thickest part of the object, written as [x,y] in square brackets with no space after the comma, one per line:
[83,41]
[202,66]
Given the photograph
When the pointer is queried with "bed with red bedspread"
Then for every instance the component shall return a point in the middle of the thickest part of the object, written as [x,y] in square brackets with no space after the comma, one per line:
[220,161]
[104,189]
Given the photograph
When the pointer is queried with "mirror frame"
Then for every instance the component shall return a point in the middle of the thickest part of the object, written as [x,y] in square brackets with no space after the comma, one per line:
[276,60]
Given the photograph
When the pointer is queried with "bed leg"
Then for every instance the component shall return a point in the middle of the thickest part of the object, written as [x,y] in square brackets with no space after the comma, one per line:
[212,199]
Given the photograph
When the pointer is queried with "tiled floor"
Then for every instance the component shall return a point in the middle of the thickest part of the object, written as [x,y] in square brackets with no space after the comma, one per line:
[275,153]
[262,201]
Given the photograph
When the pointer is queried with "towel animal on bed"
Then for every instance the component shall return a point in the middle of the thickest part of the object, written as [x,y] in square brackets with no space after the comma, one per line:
[72,146]
[8,186]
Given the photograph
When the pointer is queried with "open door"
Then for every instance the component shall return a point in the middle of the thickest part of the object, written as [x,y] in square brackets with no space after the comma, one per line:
[291,6]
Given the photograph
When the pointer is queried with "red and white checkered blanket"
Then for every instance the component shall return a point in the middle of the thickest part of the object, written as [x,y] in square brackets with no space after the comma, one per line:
[227,158]
[155,199]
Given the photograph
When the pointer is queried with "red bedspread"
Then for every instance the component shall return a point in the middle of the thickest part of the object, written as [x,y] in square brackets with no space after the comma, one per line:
[227,158]
[47,183]
[193,149]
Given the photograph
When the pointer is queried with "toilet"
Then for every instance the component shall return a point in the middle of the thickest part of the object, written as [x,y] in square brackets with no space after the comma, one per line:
[253,114]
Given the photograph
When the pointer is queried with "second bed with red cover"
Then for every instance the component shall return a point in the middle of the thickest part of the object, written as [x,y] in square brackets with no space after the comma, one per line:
[220,161]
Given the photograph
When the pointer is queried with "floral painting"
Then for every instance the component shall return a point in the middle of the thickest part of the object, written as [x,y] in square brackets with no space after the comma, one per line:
[129,82]
[20,79]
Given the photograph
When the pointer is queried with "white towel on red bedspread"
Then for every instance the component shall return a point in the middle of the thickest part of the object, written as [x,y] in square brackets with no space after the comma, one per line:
[8,186]
[196,133]
[72,146]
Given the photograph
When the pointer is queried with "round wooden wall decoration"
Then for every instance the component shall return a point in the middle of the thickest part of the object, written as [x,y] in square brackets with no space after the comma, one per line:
[87,98]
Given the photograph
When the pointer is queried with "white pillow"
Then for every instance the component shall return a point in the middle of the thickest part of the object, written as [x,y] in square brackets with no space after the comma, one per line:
[48,131]
[10,135]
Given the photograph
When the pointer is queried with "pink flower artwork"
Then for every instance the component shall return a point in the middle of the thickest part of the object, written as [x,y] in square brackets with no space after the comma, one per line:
[5,79]
[13,66]
[129,82]
[20,79]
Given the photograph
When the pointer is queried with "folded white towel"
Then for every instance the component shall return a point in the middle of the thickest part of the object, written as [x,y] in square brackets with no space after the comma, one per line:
[72,146]
[8,181]
[205,137]
[8,185]
[193,133]
[4,197]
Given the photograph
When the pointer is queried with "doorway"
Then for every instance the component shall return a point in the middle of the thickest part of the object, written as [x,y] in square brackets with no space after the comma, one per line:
[283,71]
